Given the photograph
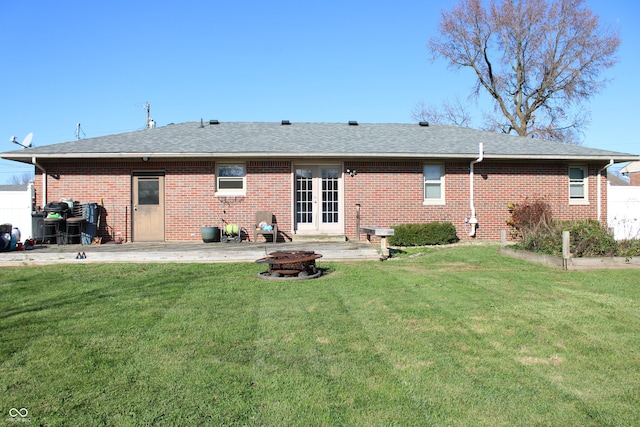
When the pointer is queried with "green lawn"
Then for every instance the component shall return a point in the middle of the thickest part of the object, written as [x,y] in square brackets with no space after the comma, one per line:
[457,337]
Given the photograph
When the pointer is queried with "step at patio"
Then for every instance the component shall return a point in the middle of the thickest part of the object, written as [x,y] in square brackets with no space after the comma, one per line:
[319,238]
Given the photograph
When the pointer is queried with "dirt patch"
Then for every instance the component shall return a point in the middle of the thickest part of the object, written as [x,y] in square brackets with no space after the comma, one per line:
[415,365]
[553,360]
[422,325]
[453,266]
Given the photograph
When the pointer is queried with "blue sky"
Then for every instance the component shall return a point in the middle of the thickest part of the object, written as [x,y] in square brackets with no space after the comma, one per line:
[98,63]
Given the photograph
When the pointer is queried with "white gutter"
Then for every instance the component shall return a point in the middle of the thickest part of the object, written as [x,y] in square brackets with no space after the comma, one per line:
[600,188]
[622,157]
[473,221]
[44,181]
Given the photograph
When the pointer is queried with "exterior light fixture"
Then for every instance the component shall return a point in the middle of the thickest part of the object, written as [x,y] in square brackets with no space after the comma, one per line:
[352,172]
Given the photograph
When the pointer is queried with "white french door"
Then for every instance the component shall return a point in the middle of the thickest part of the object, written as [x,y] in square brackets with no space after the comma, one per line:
[318,199]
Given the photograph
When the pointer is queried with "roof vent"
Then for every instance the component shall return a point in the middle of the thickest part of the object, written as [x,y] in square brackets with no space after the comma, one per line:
[353,123]
[424,124]
[214,122]
[285,123]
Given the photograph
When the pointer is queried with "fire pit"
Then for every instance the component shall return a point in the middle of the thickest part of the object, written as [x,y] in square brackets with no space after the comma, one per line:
[290,265]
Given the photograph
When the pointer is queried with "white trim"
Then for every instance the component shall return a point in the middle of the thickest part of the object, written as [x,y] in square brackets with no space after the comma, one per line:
[442,199]
[317,226]
[585,184]
[231,191]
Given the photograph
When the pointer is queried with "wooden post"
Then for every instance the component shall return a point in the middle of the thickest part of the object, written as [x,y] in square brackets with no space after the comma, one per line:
[358,222]
[566,249]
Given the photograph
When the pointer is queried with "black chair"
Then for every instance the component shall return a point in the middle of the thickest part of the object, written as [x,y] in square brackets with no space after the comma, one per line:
[75,224]
[54,227]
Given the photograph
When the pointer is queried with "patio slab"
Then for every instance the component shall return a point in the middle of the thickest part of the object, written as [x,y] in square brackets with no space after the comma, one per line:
[197,252]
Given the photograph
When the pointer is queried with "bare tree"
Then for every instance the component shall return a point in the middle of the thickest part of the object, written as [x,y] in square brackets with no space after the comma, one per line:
[451,113]
[23,179]
[539,60]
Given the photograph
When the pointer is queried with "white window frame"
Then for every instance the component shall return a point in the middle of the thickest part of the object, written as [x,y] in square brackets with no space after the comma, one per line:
[584,182]
[441,181]
[221,179]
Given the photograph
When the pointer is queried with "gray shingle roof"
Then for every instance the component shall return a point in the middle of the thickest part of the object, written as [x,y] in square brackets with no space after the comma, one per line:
[14,187]
[328,140]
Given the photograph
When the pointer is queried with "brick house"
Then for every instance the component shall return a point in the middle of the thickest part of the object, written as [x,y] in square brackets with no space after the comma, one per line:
[319,179]
[632,170]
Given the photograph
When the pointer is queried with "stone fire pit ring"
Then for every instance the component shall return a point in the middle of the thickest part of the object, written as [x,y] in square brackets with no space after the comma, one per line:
[290,265]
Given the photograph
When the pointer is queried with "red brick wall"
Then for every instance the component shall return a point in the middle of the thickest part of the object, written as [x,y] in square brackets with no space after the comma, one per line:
[190,200]
[391,193]
[388,193]
[268,188]
[634,178]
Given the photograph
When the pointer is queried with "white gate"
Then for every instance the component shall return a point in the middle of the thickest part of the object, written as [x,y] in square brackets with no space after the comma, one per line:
[623,211]
[16,207]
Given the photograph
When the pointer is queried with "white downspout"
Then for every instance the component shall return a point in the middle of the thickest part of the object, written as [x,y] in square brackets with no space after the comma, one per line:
[44,181]
[600,189]
[473,221]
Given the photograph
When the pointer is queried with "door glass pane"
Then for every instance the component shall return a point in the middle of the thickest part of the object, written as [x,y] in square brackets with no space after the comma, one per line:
[148,192]
[330,212]
[304,196]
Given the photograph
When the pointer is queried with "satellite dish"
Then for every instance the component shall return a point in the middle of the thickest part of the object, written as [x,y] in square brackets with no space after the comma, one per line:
[26,143]
[27,140]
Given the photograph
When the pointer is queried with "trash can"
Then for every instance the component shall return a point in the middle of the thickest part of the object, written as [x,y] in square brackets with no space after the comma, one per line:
[5,237]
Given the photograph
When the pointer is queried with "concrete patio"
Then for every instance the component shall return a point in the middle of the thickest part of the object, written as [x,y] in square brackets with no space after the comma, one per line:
[198,252]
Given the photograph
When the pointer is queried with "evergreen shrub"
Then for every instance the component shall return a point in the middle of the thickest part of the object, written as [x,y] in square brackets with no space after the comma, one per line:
[424,234]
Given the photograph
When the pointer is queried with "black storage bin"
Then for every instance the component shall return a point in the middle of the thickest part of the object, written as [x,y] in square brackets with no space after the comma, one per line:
[56,207]
[90,212]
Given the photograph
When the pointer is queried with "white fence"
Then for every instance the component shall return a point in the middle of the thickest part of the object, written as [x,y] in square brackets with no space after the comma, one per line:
[623,211]
[15,209]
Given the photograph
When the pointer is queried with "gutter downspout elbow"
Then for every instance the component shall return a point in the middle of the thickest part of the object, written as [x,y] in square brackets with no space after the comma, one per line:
[600,188]
[34,161]
[473,221]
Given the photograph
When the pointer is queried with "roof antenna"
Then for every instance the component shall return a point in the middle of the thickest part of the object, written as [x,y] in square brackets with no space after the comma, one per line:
[150,122]
[78,130]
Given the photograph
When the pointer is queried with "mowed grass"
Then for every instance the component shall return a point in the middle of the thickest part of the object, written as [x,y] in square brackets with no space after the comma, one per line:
[457,337]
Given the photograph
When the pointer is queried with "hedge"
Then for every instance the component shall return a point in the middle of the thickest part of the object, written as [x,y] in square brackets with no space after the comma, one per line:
[431,233]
